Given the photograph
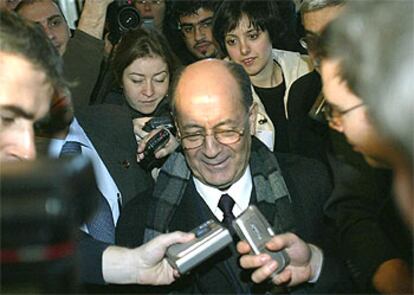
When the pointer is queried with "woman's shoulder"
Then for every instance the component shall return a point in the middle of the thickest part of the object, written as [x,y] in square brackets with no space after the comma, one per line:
[115,96]
[293,60]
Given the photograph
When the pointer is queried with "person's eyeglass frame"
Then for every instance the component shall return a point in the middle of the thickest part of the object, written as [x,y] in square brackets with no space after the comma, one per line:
[200,25]
[237,132]
[309,41]
[332,114]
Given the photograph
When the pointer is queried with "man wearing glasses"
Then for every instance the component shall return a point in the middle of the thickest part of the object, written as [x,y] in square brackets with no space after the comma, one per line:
[194,19]
[151,11]
[376,244]
[221,162]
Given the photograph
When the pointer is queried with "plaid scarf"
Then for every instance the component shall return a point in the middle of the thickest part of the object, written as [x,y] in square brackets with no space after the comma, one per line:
[175,176]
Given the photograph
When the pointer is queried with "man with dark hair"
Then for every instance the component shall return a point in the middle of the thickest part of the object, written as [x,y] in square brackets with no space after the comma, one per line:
[222,162]
[194,19]
[31,74]
[377,244]
[83,52]
[360,204]
[31,71]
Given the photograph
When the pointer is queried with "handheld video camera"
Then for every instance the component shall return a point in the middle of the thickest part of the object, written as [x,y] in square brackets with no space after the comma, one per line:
[122,17]
[253,227]
[211,238]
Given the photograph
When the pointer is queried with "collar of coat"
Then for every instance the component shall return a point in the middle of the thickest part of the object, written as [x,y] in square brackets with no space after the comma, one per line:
[175,176]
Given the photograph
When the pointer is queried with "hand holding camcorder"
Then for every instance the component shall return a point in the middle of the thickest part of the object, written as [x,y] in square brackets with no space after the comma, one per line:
[211,237]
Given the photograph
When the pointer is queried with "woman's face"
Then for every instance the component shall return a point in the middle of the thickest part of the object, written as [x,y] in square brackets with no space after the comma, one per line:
[249,47]
[145,82]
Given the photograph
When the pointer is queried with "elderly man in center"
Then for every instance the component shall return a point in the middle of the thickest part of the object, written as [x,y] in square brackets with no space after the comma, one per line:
[215,118]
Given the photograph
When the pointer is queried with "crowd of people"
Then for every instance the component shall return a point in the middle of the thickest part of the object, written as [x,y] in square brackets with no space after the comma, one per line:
[302,108]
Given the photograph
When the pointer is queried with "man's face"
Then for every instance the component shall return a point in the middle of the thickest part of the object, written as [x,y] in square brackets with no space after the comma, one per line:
[356,123]
[152,9]
[24,98]
[48,15]
[198,35]
[315,22]
[208,108]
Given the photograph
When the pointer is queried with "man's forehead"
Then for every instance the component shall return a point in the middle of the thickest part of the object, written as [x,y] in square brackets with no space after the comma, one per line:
[199,15]
[40,10]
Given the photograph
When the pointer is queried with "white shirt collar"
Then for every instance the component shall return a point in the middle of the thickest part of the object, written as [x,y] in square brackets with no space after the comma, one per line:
[240,191]
[75,133]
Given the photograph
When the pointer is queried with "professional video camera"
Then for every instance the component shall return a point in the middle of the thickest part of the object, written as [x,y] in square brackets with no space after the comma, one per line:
[122,17]
[43,203]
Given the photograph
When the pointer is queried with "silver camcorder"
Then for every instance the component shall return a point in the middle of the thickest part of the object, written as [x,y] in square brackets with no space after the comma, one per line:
[253,227]
[211,237]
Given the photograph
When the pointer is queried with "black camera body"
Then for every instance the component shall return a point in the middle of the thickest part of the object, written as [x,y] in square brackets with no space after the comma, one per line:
[121,17]
[158,141]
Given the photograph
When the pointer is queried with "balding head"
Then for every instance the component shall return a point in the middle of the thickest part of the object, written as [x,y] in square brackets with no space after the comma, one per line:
[215,120]
[212,74]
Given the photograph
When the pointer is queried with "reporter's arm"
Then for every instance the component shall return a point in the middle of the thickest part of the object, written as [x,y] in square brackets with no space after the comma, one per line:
[92,19]
[143,265]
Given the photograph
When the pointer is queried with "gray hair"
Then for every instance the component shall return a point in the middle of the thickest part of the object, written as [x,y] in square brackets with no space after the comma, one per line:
[312,5]
[374,43]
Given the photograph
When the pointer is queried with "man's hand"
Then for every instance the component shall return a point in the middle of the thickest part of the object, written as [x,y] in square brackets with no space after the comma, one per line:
[305,261]
[92,19]
[144,265]
[393,276]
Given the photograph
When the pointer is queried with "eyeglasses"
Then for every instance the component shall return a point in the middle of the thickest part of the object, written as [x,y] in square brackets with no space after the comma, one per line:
[188,29]
[153,2]
[332,114]
[309,42]
[223,136]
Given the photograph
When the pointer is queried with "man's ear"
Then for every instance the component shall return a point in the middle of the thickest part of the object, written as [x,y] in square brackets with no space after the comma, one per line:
[252,118]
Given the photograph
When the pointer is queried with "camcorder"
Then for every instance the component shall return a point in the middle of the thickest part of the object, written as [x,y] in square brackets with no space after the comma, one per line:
[121,18]
[211,238]
[253,227]
[158,141]
[43,203]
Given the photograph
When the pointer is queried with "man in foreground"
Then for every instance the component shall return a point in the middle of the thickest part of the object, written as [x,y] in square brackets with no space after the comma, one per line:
[31,74]
[223,164]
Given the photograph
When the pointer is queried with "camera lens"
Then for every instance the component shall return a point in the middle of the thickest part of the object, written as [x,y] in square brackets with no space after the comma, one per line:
[128,18]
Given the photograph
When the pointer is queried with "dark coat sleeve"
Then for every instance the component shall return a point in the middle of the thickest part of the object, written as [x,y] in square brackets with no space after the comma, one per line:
[310,186]
[82,62]
[90,259]
[368,227]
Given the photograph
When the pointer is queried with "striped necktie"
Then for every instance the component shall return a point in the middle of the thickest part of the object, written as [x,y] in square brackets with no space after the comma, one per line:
[101,226]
